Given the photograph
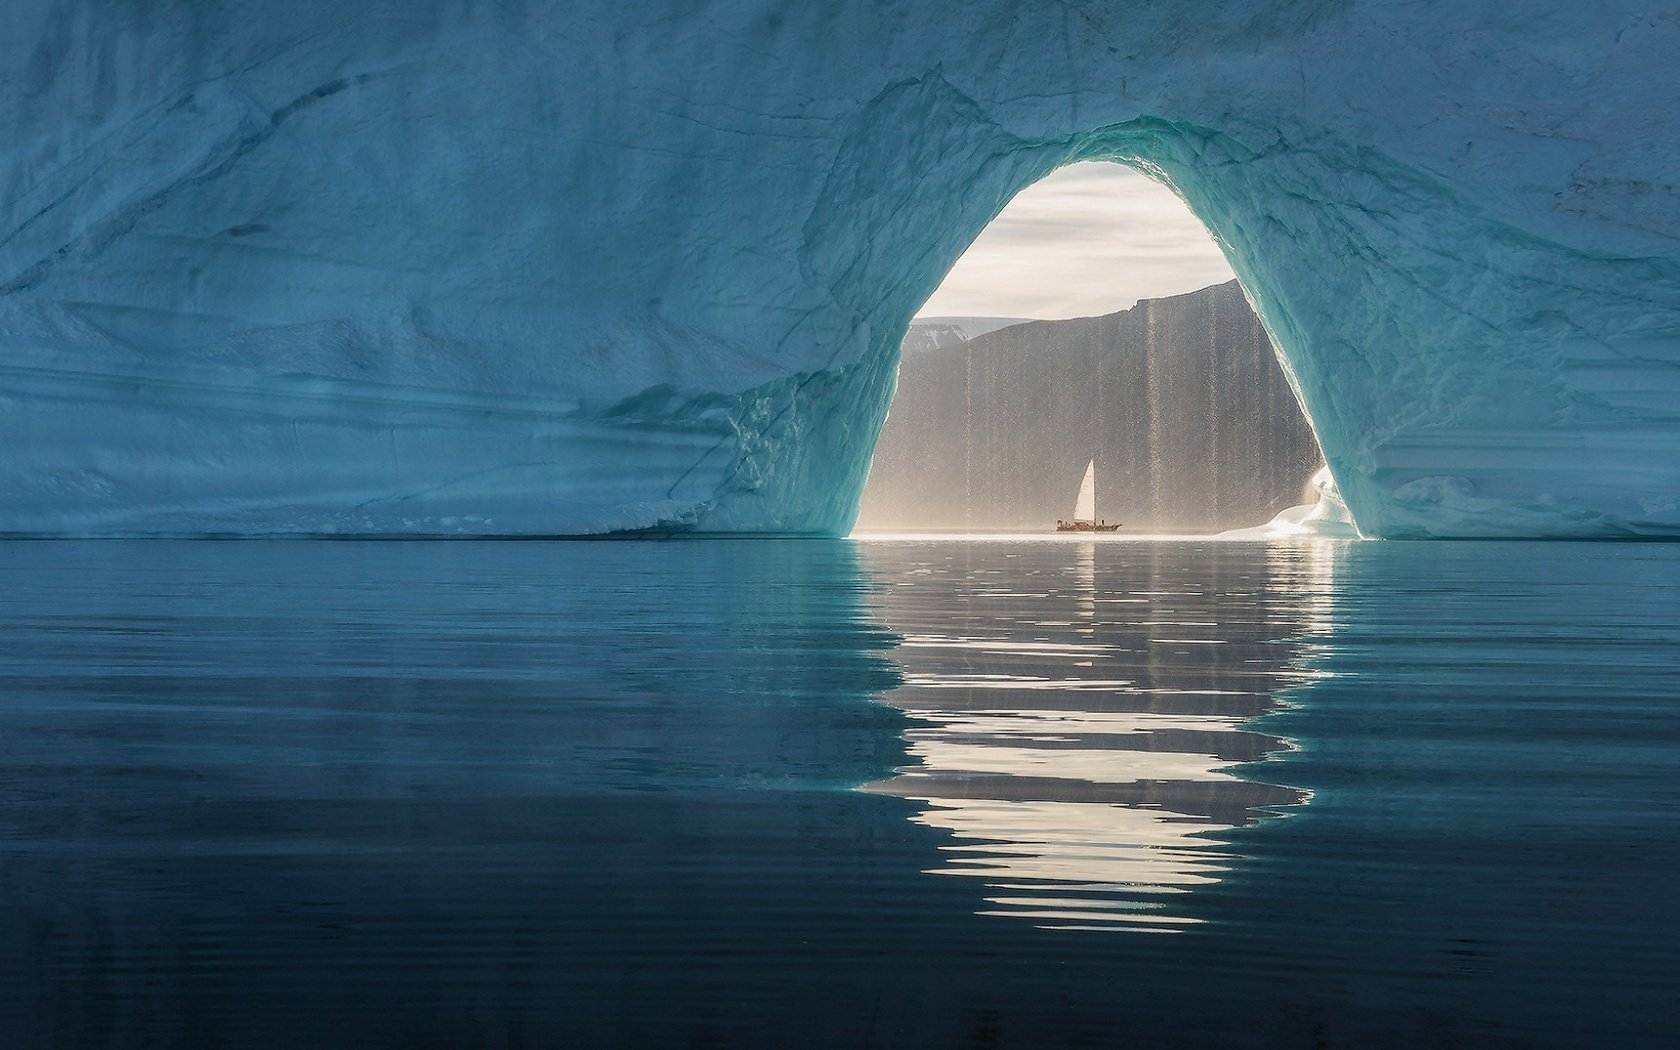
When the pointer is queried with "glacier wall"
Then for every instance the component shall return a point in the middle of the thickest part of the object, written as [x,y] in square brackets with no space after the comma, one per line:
[1179,401]
[568,266]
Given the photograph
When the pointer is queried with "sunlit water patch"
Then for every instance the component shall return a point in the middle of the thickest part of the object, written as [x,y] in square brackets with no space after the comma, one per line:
[1077,736]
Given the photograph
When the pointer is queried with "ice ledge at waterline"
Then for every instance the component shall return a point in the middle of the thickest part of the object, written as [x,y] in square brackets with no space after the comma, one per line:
[1326,517]
[568,267]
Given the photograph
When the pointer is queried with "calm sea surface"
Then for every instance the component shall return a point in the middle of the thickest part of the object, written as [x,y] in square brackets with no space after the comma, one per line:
[892,793]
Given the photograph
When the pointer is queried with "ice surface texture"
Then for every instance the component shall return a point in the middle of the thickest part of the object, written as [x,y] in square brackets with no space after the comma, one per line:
[575,266]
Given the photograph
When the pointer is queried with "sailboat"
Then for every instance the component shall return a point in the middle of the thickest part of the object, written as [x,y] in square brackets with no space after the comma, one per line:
[1085,507]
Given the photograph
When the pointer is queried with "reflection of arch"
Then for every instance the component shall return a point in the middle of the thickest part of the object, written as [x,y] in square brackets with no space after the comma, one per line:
[1074,733]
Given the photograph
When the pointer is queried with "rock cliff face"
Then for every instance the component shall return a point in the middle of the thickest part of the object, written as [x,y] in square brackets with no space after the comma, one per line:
[1181,401]
[574,266]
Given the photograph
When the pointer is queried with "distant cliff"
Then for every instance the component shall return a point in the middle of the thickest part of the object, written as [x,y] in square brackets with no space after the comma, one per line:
[1181,401]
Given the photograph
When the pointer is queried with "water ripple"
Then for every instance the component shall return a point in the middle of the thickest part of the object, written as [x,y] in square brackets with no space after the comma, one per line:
[1097,805]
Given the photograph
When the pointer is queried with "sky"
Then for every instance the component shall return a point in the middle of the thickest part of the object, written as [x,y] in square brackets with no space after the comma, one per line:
[1089,239]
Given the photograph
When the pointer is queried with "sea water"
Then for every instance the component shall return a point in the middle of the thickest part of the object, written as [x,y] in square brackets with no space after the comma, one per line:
[897,792]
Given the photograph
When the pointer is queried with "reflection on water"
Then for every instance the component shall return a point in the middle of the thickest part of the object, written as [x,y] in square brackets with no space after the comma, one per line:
[1077,710]
[394,795]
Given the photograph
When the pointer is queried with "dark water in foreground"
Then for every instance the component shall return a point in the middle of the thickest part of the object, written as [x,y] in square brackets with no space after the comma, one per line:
[533,794]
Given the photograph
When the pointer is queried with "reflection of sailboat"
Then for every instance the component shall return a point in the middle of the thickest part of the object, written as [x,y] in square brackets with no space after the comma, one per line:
[1085,507]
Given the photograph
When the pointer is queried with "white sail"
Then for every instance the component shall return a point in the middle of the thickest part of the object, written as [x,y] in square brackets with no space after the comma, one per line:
[1085,508]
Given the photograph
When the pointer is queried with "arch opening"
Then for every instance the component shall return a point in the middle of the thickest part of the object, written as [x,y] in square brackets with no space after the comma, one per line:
[1094,320]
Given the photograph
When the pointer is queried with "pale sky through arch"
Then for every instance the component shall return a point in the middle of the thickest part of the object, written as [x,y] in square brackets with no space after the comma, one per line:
[1088,239]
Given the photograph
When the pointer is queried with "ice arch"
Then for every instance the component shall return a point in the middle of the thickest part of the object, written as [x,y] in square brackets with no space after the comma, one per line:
[572,266]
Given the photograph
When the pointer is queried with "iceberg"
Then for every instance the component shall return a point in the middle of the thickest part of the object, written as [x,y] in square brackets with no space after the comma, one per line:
[571,267]
[1327,517]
